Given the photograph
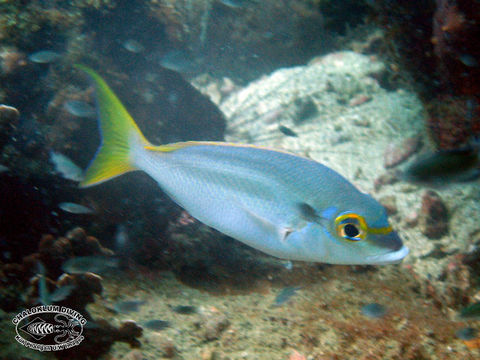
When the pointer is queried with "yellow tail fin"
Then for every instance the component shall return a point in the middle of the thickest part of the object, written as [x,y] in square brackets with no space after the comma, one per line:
[119,134]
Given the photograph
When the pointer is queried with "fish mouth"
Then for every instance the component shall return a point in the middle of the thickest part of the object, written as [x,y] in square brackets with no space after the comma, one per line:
[392,257]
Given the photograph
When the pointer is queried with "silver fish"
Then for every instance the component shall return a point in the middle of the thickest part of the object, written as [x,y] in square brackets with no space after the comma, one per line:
[133,46]
[237,4]
[156,325]
[75,208]
[128,306]
[58,294]
[285,205]
[121,238]
[66,167]
[79,108]
[93,264]
[285,295]
[444,167]
[44,56]
[179,60]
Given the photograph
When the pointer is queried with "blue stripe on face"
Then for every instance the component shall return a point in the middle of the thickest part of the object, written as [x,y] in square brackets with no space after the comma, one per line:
[329,213]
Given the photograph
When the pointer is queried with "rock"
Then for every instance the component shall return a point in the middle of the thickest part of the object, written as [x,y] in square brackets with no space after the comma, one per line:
[359,100]
[390,204]
[395,154]
[99,338]
[411,219]
[8,114]
[388,178]
[313,100]
[11,60]
[433,217]
[8,119]
[472,256]
[214,323]
[211,354]
[128,332]
[85,287]
[164,344]
[133,355]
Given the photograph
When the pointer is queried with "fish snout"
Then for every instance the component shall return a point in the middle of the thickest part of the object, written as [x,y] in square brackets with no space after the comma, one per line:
[391,241]
[395,250]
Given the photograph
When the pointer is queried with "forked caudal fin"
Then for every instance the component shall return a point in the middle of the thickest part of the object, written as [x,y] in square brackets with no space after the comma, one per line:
[119,135]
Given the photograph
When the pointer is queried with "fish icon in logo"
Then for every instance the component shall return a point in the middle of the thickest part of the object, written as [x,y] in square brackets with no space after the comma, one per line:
[38,328]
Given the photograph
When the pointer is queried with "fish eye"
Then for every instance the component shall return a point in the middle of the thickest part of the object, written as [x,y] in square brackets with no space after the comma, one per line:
[351,230]
[351,227]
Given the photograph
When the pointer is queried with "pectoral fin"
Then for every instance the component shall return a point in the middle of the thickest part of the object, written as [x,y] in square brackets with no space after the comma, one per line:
[278,232]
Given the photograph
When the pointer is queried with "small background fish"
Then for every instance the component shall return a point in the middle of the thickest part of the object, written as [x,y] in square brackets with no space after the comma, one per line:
[66,167]
[74,208]
[93,264]
[128,306]
[80,108]
[444,167]
[44,56]
[156,325]
[285,295]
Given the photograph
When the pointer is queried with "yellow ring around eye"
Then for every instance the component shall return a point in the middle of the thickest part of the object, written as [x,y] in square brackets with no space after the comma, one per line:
[360,219]
[364,228]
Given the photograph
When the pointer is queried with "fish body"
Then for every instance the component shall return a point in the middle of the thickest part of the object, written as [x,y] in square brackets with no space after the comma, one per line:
[282,204]
[287,131]
[180,61]
[471,312]
[44,56]
[446,166]
[185,309]
[128,306]
[121,238]
[374,310]
[45,297]
[79,108]
[133,46]
[66,167]
[75,208]
[285,295]
[156,325]
[93,264]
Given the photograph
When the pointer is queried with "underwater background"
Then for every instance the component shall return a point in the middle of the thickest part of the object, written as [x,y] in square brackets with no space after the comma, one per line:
[384,92]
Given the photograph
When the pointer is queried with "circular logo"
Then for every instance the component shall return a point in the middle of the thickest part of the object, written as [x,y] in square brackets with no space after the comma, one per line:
[49,328]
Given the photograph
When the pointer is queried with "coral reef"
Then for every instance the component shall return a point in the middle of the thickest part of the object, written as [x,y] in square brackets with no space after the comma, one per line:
[207,28]
[433,217]
[8,120]
[456,28]
[442,54]
[11,61]
[19,279]
[52,253]
[452,122]
[322,321]
[99,338]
